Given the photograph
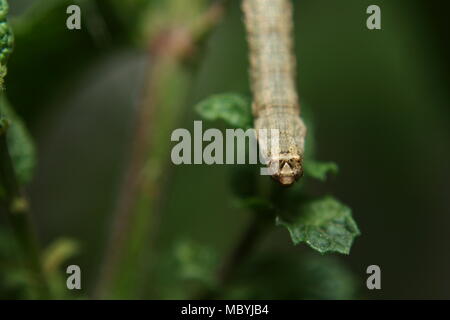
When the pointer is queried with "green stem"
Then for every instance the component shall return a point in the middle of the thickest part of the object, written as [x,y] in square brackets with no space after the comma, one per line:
[244,247]
[168,83]
[15,206]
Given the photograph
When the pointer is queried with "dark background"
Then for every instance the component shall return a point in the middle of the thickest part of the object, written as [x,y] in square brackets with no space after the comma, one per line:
[380,104]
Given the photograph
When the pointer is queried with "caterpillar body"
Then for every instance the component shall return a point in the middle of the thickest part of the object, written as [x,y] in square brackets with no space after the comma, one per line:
[275,106]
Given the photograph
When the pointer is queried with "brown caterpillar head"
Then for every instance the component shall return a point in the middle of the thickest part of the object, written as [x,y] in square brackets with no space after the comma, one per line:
[286,168]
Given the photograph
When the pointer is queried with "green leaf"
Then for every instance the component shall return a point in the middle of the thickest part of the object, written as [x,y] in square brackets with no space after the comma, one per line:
[232,108]
[319,170]
[6,39]
[196,263]
[6,36]
[20,144]
[324,224]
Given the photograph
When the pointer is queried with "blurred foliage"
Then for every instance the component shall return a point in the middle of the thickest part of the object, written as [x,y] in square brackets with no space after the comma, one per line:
[20,144]
[15,282]
[107,26]
[55,260]
[284,276]
[324,224]
[184,270]
[234,109]
[6,40]
[320,170]
[380,107]
[13,277]
[163,15]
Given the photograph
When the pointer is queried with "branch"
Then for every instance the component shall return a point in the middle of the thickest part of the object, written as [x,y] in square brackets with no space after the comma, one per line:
[244,247]
[15,206]
[146,174]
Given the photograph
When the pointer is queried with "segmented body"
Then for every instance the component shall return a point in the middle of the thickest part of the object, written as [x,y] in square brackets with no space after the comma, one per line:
[275,100]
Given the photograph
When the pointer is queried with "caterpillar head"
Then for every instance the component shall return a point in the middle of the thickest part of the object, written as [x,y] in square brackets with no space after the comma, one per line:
[286,168]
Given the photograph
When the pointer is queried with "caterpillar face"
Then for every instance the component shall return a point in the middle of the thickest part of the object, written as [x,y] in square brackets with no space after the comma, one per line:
[286,168]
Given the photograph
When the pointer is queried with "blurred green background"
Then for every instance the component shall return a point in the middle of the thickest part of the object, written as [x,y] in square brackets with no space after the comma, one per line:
[380,106]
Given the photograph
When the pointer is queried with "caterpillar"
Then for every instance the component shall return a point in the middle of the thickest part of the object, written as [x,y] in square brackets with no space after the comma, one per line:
[269,25]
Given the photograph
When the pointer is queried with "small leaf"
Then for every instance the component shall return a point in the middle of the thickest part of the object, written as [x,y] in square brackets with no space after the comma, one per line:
[319,170]
[20,144]
[324,224]
[234,109]
[196,263]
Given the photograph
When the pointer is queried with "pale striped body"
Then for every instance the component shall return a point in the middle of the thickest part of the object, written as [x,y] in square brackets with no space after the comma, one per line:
[275,101]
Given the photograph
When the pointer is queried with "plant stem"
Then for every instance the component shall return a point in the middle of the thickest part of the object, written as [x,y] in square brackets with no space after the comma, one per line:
[145,177]
[15,206]
[137,194]
[247,243]
[244,247]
